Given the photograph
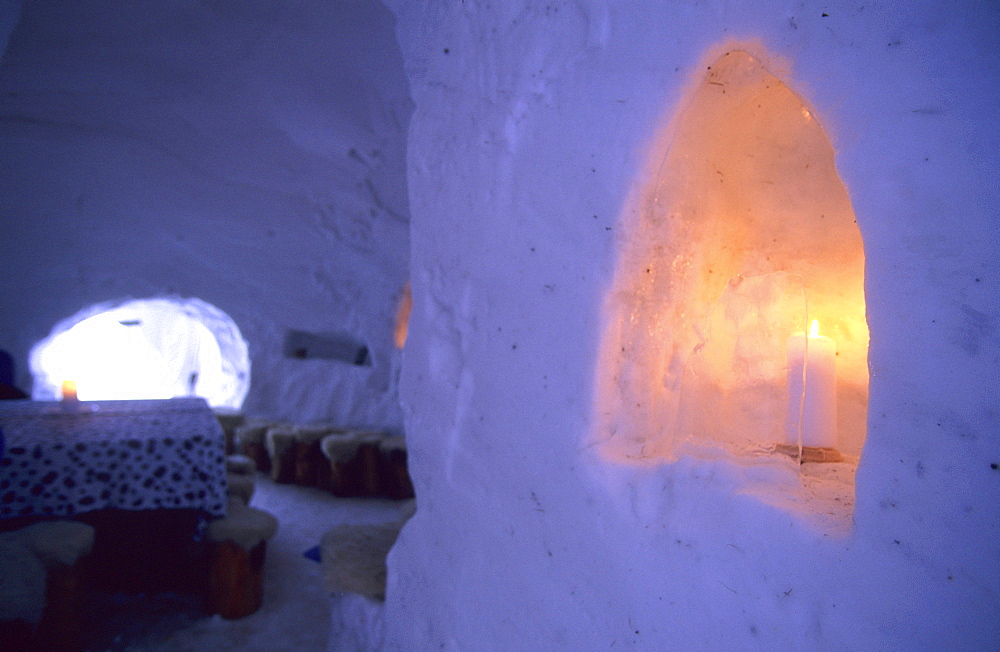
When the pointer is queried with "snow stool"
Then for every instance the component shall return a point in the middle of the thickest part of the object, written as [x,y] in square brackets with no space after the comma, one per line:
[250,442]
[354,462]
[240,477]
[280,443]
[41,585]
[238,546]
[311,467]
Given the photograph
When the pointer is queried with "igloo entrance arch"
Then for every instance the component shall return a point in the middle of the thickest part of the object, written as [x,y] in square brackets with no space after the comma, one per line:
[146,348]
[743,236]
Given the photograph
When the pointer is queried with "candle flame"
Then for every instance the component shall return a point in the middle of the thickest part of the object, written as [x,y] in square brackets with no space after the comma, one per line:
[814,328]
[69,390]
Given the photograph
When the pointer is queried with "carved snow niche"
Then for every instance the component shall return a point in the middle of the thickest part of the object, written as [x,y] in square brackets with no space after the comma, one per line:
[742,235]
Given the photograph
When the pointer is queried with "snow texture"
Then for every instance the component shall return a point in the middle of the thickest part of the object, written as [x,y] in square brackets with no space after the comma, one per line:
[534,126]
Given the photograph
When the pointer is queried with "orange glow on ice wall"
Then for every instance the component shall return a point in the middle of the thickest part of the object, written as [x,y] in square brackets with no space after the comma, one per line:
[742,233]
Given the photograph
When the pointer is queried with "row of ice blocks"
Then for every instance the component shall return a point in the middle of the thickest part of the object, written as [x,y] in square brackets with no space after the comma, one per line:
[348,463]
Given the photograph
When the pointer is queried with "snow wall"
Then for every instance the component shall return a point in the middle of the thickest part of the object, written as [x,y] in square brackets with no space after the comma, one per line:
[534,126]
[248,155]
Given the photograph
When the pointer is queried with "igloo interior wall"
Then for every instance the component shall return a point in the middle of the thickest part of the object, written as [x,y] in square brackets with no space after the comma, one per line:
[742,236]
[547,174]
[251,157]
[294,164]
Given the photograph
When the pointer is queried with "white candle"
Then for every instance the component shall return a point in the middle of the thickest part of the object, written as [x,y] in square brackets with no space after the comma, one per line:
[812,412]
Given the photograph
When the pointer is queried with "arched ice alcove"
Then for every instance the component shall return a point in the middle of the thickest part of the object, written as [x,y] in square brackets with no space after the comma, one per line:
[743,234]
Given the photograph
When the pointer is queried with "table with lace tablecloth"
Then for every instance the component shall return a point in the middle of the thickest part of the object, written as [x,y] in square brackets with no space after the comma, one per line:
[67,458]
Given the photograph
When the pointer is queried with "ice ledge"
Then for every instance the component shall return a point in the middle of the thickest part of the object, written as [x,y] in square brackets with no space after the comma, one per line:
[817,496]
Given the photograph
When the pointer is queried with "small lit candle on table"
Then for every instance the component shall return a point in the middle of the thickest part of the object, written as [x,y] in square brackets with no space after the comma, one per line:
[812,412]
[69,390]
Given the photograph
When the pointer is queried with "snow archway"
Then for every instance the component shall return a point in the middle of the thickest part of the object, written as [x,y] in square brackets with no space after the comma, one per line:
[146,348]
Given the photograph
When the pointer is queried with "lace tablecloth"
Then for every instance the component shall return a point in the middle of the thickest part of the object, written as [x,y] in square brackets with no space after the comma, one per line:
[66,458]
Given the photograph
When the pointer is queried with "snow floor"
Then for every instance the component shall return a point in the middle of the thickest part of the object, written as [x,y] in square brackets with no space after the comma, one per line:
[296,613]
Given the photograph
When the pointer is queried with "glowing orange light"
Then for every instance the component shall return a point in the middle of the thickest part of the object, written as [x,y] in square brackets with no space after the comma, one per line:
[69,390]
[403,317]
[712,346]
